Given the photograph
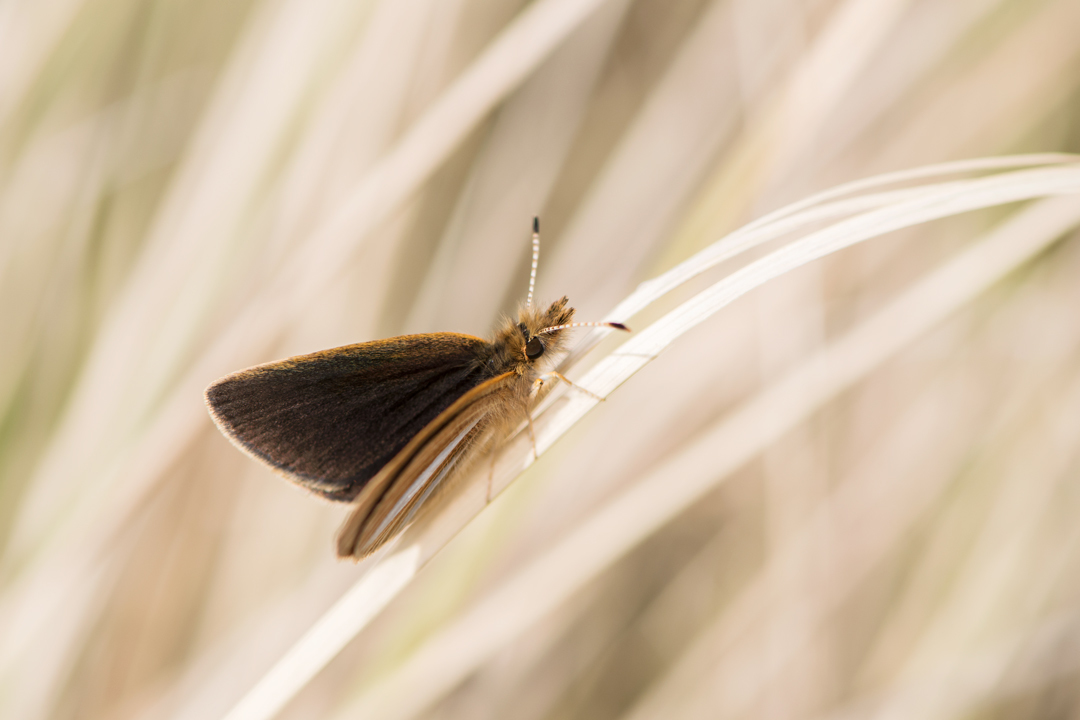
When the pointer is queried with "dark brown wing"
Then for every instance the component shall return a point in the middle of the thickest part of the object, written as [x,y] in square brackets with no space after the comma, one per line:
[331,420]
[392,498]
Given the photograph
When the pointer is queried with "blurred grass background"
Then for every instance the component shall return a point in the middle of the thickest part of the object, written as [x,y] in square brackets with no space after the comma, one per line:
[187,188]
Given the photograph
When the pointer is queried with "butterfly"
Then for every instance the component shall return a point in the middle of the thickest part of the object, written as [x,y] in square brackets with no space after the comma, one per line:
[384,424]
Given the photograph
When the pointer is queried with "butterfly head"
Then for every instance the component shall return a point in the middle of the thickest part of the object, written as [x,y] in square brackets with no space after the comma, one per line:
[540,331]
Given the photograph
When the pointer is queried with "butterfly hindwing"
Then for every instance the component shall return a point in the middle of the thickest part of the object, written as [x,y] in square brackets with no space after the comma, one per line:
[331,420]
[391,498]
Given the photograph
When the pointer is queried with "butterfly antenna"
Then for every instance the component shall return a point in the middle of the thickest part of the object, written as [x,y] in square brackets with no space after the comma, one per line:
[554,328]
[536,260]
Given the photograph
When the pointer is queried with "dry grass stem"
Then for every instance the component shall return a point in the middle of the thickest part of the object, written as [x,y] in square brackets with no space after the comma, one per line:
[657,499]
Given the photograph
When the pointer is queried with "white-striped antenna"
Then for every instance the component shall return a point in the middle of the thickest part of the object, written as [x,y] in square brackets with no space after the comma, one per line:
[554,328]
[536,260]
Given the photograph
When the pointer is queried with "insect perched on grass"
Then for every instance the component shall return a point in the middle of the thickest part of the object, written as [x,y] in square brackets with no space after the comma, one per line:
[383,424]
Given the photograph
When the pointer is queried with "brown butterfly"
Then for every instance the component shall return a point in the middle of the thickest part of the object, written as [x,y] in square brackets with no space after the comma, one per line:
[383,424]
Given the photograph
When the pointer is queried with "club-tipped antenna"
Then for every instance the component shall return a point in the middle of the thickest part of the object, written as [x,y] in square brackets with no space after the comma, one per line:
[554,328]
[535,262]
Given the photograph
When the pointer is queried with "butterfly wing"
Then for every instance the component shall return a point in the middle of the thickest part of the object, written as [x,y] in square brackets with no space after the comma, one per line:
[391,499]
[331,420]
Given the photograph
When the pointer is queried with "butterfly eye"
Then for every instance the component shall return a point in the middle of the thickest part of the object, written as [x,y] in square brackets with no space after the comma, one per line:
[534,348]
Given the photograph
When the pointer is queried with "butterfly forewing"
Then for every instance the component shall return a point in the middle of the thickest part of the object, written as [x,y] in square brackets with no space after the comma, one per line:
[331,420]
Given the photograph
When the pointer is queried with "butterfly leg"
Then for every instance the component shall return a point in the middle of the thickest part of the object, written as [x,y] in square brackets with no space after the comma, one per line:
[532,434]
[491,472]
[560,376]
